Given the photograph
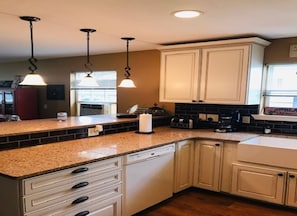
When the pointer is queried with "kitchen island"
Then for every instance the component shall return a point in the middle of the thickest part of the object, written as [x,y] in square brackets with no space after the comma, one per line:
[37,179]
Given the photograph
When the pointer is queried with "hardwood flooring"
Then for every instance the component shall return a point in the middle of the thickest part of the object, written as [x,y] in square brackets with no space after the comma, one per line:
[196,202]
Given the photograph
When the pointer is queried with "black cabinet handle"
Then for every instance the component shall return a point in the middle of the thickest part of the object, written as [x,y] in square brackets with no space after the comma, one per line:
[79,170]
[81,184]
[80,200]
[217,144]
[83,213]
[292,176]
[280,174]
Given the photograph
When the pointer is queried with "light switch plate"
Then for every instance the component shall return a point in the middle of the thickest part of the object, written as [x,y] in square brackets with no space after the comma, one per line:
[293,50]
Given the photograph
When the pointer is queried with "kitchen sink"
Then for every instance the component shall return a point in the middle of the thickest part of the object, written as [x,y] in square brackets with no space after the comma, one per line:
[274,151]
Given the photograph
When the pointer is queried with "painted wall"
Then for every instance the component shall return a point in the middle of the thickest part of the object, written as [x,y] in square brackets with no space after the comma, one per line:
[145,71]
[278,51]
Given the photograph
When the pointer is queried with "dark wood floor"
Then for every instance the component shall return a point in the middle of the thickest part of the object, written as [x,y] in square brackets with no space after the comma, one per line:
[195,202]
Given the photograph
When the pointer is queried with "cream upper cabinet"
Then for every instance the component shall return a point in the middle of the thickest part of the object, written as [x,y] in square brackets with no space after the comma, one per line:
[207,164]
[225,72]
[179,76]
[184,154]
[232,74]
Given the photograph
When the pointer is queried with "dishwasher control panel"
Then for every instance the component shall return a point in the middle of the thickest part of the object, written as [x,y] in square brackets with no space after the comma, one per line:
[150,153]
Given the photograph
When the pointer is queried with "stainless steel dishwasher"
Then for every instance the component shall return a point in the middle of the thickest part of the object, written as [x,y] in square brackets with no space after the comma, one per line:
[148,178]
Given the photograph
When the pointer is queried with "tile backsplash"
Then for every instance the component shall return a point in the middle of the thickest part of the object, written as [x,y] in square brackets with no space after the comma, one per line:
[192,110]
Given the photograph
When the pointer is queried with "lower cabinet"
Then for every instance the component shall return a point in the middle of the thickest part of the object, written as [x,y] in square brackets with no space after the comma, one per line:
[184,155]
[91,189]
[291,199]
[275,185]
[257,182]
[207,164]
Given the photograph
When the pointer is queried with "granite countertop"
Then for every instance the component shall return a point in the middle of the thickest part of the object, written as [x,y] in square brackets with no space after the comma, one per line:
[41,125]
[31,161]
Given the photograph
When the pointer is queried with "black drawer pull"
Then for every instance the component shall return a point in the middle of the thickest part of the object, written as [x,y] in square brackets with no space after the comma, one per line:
[80,200]
[280,174]
[217,144]
[83,213]
[81,184]
[292,176]
[79,170]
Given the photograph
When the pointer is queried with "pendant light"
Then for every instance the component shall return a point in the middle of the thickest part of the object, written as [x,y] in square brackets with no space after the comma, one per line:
[88,80]
[127,82]
[32,78]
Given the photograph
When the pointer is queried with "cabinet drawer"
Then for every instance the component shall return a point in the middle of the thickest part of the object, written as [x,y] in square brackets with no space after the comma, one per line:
[59,194]
[69,176]
[78,202]
[111,207]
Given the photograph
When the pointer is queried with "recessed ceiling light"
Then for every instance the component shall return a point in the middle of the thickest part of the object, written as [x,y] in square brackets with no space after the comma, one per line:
[187,13]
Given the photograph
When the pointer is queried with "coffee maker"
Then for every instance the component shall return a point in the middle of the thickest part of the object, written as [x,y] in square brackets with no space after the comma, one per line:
[229,123]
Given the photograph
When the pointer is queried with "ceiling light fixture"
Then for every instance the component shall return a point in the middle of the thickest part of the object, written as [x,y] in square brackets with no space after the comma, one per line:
[88,80]
[127,82]
[32,78]
[187,13]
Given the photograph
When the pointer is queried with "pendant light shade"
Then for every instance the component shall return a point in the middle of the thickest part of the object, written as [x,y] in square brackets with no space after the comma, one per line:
[88,80]
[32,78]
[127,82]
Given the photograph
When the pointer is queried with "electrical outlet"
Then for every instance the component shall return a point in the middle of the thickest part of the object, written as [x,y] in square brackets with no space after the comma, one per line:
[213,117]
[246,119]
[99,128]
[93,131]
[202,117]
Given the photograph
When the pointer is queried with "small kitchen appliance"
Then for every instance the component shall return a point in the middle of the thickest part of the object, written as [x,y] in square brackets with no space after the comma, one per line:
[229,123]
[178,122]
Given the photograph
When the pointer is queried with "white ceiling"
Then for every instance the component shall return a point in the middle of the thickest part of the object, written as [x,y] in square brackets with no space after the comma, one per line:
[150,21]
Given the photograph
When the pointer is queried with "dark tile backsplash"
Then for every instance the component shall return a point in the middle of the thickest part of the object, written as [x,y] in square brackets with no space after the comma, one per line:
[192,111]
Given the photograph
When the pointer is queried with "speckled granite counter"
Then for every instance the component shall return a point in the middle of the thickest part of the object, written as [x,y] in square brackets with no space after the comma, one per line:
[41,125]
[30,161]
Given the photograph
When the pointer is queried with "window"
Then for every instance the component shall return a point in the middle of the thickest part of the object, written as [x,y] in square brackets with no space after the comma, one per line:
[105,94]
[280,96]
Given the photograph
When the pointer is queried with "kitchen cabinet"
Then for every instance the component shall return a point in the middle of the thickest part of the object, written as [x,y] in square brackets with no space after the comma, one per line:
[229,157]
[184,155]
[19,101]
[291,199]
[94,188]
[232,74]
[179,76]
[221,72]
[207,164]
[259,182]
[265,183]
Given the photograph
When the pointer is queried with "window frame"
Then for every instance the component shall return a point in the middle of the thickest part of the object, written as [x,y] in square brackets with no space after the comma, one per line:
[274,117]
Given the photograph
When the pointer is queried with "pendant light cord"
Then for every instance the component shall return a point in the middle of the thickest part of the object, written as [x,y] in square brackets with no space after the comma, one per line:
[88,64]
[127,68]
[32,60]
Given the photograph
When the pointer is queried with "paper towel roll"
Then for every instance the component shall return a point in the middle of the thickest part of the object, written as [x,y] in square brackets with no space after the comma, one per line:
[145,123]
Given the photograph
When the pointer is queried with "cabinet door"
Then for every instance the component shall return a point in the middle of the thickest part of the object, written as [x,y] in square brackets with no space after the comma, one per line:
[224,74]
[184,165]
[179,76]
[207,165]
[259,183]
[292,189]
[229,157]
